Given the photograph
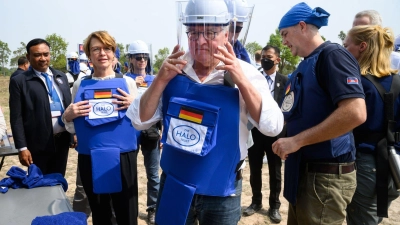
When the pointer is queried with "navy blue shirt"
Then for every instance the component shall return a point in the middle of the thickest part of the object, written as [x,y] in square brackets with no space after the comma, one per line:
[334,70]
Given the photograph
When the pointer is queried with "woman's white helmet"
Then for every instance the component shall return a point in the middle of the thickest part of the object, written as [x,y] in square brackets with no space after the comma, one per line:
[138,47]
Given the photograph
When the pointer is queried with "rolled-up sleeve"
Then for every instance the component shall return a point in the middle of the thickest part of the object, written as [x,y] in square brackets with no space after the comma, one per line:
[134,116]
[271,117]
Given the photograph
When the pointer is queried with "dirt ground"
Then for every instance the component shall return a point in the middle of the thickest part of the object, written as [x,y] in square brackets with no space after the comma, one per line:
[257,219]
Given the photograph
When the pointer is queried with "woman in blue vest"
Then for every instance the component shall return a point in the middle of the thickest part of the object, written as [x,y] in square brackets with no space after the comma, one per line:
[371,46]
[138,54]
[106,160]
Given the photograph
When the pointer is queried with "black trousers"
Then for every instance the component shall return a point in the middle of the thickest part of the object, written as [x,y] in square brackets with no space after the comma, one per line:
[54,162]
[125,203]
[263,144]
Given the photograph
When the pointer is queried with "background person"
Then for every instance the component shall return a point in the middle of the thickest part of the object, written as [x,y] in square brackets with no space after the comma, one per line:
[323,102]
[106,161]
[23,65]
[37,102]
[74,69]
[372,17]
[138,54]
[263,144]
[371,46]
[241,13]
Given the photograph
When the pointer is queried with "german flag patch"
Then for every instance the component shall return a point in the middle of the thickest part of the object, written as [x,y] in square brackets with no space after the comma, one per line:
[190,114]
[104,93]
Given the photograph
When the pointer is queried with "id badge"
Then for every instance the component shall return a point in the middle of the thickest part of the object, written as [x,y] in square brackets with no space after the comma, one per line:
[55,108]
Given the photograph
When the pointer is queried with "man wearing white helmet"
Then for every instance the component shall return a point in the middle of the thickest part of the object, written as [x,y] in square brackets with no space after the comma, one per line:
[138,54]
[208,100]
[73,68]
[240,12]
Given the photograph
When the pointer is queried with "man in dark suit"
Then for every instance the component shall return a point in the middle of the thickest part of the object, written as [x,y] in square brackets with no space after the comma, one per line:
[23,65]
[270,57]
[38,98]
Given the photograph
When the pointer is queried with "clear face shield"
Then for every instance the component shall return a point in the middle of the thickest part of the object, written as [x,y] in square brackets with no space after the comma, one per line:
[241,20]
[202,26]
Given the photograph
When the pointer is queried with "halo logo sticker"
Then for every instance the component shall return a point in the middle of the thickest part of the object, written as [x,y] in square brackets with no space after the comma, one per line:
[185,135]
[288,102]
[103,109]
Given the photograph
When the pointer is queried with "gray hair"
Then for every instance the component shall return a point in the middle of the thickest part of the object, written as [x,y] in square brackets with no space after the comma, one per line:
[373,15]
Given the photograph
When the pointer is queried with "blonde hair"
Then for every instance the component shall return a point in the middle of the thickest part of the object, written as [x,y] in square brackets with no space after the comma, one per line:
[104,37]
[375,59]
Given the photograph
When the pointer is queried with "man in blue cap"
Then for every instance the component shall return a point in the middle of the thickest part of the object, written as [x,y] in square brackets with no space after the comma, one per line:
[323,102]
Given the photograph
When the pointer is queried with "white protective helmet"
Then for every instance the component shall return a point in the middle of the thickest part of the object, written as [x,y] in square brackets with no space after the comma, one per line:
[72,55]
[239,10]
[206,12]
[83,57]
[138,47]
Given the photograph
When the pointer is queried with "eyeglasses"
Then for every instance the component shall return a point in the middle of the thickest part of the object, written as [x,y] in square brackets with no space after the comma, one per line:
[96,50]
[208,35]
[237,29]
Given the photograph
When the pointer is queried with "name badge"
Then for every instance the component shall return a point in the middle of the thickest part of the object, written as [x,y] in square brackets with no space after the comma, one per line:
[55,108]
[102,108]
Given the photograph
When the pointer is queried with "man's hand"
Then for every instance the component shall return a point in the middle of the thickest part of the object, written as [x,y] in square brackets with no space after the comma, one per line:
[25,157]
[284,146]
[172,65]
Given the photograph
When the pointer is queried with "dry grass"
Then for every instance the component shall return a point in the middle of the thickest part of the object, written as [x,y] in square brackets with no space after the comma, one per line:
[257,219]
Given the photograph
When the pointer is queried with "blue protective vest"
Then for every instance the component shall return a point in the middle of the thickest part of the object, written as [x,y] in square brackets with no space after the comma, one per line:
[148,80]
[201,145]
[305,105]
[104,138]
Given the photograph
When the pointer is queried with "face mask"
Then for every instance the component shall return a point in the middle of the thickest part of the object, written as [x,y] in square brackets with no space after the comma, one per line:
[267,64]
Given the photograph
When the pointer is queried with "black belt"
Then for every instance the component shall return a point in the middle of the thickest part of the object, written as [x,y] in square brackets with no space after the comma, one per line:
[331,168]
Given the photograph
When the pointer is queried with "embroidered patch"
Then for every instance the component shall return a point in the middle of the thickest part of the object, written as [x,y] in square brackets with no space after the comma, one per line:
[352,80]
[288,102]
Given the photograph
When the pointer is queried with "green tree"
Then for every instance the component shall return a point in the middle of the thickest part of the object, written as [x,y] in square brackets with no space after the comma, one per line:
[160,57]
[342,35]
[288,62]
[21,51]
[58,49]
[252,47]
[4,55]
[323,38]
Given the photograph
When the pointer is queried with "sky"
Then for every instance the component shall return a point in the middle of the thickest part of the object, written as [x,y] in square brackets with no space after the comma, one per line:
[154,21]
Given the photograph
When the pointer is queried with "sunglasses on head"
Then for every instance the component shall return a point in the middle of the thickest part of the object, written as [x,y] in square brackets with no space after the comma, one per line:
[237,29]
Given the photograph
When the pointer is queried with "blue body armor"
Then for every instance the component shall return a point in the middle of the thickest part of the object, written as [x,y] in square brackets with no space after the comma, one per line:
[305,105]
[201,145]
[104,138]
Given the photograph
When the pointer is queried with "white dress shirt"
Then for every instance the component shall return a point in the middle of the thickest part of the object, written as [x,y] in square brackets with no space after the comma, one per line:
[271,119]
